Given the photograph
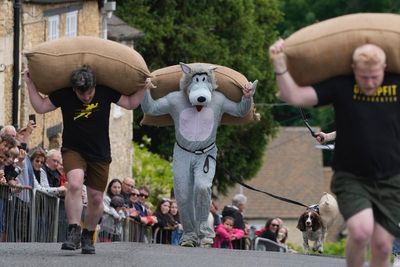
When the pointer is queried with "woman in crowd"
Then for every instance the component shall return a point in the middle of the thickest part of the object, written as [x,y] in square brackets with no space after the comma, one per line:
[271,232]
[165,223]
[177,233]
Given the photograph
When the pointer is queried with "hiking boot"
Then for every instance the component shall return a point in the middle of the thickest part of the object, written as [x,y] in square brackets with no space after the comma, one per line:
[188,243]
[87,242]
[73,238]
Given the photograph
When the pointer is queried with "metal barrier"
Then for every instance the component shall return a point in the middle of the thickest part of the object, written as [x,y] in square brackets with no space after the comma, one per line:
[134,231]
[18,226]
[44,220]
[45,209]
[265,244]
[162,235]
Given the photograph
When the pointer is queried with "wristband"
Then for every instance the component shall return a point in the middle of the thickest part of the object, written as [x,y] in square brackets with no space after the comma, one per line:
[280,73]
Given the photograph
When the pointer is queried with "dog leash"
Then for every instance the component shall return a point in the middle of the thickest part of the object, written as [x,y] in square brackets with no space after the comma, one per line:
[272,195]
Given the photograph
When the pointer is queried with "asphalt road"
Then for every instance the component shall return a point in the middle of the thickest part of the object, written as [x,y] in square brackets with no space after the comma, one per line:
[149,255]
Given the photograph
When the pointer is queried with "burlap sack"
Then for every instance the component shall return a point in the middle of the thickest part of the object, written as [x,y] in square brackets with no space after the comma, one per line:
[328,209]
[229,81]
[324,50]
[115,65]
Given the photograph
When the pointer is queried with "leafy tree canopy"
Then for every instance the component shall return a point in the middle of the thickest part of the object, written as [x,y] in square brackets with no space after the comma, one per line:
[232,33]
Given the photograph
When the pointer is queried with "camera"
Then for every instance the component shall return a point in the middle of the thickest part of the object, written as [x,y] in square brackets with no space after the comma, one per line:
[11,172]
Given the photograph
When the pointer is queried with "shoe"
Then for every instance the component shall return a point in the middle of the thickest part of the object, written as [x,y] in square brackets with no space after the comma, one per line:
[396,262]
[87,242]
[73,238]
[188,243]
[206,242]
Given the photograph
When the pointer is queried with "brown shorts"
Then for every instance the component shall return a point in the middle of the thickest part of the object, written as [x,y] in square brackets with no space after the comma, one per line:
[355,194]
[96,172]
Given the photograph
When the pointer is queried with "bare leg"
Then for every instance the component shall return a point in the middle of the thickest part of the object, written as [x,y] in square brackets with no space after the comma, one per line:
[73,196]
[381,247]
[94,209]
[360,227]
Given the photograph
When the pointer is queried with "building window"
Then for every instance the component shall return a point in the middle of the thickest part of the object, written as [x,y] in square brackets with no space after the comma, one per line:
[71,24]
[54,22]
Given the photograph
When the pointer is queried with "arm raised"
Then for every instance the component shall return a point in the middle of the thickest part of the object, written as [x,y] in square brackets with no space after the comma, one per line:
[289,90]
[39,103]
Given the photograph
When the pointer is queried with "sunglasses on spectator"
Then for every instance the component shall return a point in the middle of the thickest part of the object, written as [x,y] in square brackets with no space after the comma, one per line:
[143,195]
[134,194]
[275,225]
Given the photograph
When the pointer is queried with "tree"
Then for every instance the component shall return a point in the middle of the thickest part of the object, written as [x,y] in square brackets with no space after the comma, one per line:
[233,33]
[151,170]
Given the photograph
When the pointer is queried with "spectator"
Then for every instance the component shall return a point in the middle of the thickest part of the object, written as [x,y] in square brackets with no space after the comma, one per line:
[236,212]
[111,223]
[113,189]
[165,222]
[8,130]
[283,235]
[215,214]
[225,233]
[53,160]
[128,184]
[177,233]
[144,193]
[270,232]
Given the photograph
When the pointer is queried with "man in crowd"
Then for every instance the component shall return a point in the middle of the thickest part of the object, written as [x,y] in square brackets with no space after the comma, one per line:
[53,160]
[366,161]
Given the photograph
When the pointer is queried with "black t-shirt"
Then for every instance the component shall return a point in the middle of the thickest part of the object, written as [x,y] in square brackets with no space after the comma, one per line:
[86,126]
[367,127]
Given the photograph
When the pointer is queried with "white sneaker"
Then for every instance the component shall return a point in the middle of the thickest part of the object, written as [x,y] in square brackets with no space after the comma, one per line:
[396,262]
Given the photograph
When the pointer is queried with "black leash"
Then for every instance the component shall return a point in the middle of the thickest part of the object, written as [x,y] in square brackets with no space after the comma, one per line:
[305,120]
[272,195]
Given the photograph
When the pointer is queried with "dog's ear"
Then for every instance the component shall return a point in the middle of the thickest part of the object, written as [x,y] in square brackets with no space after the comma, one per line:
[301,224]
[317,222]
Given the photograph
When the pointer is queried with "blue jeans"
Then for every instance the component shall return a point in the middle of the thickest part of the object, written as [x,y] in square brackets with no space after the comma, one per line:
[396,246]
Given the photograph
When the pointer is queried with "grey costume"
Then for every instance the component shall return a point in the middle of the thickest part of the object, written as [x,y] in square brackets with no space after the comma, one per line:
[194,158]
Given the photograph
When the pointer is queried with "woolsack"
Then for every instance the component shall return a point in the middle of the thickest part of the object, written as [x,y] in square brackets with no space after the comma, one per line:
[324,50]
[115,65]
[230,83]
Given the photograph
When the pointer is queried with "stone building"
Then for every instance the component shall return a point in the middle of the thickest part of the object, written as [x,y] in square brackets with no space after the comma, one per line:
[44,20]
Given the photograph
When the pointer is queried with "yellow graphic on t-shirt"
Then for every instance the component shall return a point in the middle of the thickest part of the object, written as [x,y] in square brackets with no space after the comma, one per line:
[384,94]
[89,108]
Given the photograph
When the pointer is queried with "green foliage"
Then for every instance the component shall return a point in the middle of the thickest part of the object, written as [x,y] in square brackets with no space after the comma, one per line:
[335,248]
[232,33]
[151,170]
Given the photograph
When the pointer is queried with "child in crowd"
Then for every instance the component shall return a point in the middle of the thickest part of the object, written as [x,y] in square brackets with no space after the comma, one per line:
[111,223]
[225,233]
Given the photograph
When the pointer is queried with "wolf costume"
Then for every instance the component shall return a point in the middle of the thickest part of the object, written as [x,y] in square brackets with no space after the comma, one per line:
[196,111]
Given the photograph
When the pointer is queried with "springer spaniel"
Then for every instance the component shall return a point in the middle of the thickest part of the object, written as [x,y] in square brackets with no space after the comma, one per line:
[316,220]
[313,229]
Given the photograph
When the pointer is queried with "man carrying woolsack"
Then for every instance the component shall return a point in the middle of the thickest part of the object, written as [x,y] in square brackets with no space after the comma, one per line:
[366,161]
[85,108]
[196,110]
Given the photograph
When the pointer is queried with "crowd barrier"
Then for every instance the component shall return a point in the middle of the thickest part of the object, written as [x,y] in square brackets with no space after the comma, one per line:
[28,215]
